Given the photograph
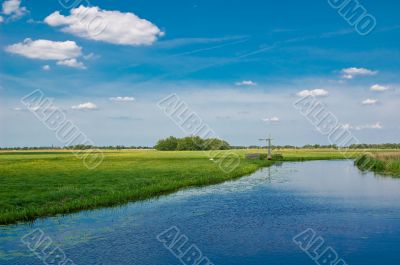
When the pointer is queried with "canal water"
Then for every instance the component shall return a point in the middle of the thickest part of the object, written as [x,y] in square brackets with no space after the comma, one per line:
[294,213]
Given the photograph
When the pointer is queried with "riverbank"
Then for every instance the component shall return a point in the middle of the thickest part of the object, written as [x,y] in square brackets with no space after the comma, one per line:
[385,163]
[39,184]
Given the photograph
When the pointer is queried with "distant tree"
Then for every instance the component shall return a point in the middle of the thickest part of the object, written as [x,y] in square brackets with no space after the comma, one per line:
[168,144]
[216,144]
[191,143]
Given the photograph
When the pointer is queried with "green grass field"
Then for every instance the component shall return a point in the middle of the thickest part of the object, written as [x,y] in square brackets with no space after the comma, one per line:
[385,163]
[43,183]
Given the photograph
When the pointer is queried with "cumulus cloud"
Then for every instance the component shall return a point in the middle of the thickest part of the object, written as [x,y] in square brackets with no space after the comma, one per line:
[85,106]
[108,26]
[350,73]
[246,83]
[369,101]
[65,52]
[315,93]
[14,9]
[374,126]
[379,88]
[272,119]
[122,99]
[72,63]
[46,67]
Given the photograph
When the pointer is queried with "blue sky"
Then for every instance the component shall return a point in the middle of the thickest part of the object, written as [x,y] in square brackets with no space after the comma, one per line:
[238,64]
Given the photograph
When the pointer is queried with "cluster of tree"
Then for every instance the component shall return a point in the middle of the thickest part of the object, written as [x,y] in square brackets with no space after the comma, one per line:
[191,143]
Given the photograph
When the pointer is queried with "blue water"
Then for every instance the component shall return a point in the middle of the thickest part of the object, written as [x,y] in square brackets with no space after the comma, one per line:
[248,221]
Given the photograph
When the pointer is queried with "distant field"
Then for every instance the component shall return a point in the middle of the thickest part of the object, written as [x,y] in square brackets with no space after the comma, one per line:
[42,183]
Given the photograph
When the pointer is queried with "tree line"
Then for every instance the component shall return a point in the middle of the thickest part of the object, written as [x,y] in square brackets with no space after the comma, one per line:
[191,143]
[196,143]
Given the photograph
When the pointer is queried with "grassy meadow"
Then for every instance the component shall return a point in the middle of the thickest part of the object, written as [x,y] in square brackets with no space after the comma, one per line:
[385,163]
[43,183]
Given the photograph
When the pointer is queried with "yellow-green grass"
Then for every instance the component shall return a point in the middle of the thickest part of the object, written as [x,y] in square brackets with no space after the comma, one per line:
[36,184]
[43,183]
[385,163]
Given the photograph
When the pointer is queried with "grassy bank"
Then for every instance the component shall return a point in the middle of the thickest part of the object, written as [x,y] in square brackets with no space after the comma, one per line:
[385,163]
[36,184]
[43,183]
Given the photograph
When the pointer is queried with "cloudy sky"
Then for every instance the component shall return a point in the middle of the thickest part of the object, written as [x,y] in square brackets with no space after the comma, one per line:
[239,65]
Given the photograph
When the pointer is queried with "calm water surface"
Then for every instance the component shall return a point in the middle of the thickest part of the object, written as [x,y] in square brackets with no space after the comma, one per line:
[249,221]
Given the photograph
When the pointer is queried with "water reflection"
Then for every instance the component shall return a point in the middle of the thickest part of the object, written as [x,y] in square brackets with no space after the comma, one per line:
[251,220]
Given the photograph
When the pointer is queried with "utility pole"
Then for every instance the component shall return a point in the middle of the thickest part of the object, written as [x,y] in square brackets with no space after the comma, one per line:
[268,142]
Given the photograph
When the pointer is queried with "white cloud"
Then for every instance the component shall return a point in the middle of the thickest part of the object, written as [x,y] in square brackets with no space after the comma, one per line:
[122,99]
[350,73]
[65,52]
[46,67]
[379,88]
[14,9]
[91,56]
[85,106]
[272,119]
[72,63]
[108,26]
[347,126]
[1,19]
[369,101]
[315,92]
[375,126]
[370,126]
[46,49]
[246,83]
